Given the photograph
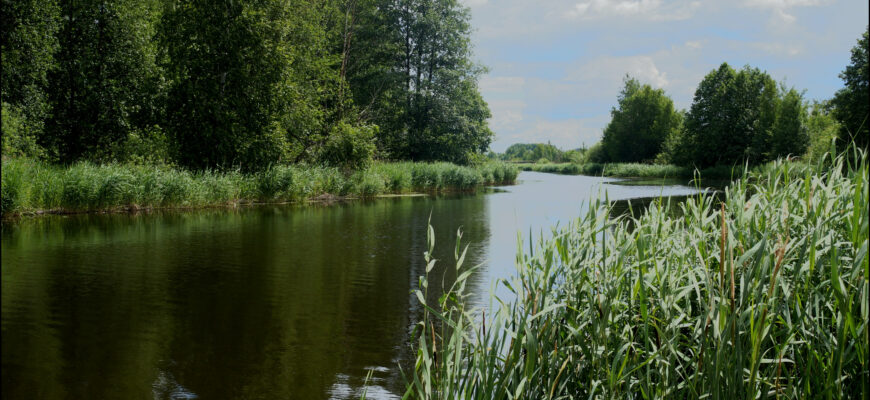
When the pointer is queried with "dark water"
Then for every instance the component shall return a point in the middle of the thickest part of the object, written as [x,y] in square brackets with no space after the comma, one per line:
[295,302]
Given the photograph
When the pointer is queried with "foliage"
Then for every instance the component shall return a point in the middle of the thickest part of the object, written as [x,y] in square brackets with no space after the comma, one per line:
[28,42]
[822,128]
[762,295]
[226,62]
[851,102]
[789,134]
[18,139]
[106,81]
[349,147]
[639,124]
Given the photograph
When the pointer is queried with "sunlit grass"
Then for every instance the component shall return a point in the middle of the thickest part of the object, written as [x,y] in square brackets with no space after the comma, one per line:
[761,295]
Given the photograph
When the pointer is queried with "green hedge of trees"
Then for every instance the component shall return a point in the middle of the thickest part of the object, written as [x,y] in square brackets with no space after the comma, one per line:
[240,83]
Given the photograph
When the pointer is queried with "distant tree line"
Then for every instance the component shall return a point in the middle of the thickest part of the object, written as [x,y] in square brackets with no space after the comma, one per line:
[736,116]
[240,83]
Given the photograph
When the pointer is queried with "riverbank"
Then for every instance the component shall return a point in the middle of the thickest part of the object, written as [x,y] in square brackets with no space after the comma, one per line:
[634,170]
[33,187]
[761,293]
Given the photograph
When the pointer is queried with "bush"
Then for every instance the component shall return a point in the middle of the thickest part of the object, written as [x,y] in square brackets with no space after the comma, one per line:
[349,147]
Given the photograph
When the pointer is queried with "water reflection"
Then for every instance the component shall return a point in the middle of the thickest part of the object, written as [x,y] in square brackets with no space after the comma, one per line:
[266,302]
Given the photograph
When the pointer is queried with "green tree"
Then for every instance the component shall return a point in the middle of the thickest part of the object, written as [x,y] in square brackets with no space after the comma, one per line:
[532,152]
[822,129]
[639,124]
[731,117]
[789,135]
[851,103]
[411,73]
[106,82]
[28,43]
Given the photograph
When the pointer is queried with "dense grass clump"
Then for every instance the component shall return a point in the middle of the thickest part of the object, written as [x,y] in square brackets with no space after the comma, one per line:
[34,186]
[761,295]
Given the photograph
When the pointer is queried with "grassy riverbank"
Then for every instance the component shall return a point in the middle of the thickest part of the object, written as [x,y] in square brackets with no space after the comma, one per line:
[761,295]
[30,186]
[633,170]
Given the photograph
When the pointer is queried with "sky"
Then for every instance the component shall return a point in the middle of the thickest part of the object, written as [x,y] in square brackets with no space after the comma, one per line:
[556,66]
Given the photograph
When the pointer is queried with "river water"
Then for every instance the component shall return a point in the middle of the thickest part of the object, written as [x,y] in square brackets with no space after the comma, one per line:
[290,302]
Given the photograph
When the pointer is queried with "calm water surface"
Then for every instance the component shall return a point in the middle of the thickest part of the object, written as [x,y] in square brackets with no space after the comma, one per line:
[295,302]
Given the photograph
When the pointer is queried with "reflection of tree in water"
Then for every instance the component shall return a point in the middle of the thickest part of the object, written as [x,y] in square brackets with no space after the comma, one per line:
[289,302]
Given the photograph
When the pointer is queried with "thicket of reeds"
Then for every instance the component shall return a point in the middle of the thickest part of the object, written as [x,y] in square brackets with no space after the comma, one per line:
[761,294]
[33,186]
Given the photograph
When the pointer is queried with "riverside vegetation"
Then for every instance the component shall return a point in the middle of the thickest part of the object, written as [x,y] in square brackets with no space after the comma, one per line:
[761,295]
[30,186]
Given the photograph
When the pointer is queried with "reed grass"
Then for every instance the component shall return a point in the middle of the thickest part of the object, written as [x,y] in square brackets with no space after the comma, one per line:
[761,295]
[635,170]
[31,186]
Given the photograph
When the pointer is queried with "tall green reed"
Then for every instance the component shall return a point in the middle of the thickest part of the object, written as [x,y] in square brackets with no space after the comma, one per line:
[763,295]
[35,186]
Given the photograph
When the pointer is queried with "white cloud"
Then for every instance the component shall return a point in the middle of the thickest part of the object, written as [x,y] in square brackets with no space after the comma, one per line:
[654,10]
[613,69]
[694,44]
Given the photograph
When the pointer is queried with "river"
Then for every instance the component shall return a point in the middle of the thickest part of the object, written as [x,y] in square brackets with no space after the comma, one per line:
[290,302]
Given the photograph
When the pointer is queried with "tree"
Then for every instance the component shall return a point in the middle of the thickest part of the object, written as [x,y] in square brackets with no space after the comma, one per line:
[639,124]
[411,74]
[28,43]
[851,102]
[731,117]
[531,152]
[106,81]
[790,136]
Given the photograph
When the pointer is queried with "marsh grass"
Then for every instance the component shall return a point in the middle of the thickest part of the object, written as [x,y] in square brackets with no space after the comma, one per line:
[636,170]
[30,186]
[762,293]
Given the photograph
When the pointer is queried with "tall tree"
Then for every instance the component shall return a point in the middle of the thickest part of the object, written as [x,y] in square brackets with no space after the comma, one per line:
[106,77]
[28,43]
[640,123]
[852,103]
[414,78]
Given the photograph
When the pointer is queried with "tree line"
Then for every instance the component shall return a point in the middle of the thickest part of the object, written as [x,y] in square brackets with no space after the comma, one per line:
[736,116]
[244,84]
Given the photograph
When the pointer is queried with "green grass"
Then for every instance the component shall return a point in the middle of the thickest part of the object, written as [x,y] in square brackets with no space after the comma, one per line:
[30,186]
[634,170]
[764,295]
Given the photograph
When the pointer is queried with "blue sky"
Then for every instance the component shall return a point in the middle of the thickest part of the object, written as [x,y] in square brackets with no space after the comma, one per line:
[556,66]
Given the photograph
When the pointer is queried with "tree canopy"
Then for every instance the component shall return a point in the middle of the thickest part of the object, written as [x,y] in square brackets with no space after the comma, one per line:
[639,124]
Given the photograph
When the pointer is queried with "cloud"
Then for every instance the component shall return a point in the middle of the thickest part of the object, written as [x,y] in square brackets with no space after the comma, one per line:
[613,69]
[654,10]
[780,18]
